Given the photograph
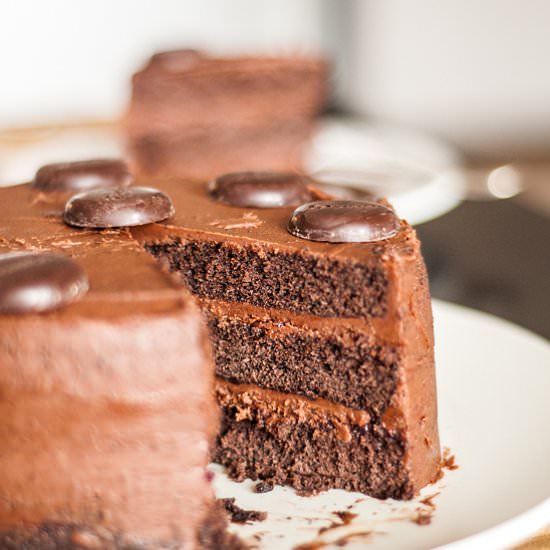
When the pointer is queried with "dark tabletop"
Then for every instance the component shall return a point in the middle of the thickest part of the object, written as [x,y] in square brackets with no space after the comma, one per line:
[493,256]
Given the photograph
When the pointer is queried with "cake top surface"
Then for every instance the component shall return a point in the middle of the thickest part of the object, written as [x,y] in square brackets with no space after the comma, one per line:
[197,212]
[119,271]
[122,273]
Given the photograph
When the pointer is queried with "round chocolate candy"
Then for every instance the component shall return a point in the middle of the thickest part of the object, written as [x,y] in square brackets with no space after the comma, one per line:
[260,189]
[343,222]
[39,281]
[121,207]
[82,175]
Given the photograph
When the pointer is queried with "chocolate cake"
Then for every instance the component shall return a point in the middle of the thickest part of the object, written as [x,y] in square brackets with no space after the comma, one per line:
[323,353]
[323,350]
[199,116]
[105,384]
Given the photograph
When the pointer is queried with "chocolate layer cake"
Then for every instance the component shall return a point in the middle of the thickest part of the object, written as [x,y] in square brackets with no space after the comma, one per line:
[323,351]
[200,116]
[105,396]
[323,355]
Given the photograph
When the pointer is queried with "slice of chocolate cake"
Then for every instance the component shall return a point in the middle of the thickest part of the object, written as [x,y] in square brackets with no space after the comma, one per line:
[323,350]
[200,116]
[105,394]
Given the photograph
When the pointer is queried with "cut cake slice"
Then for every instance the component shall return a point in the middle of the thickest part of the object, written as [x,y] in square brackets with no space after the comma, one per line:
[324,352]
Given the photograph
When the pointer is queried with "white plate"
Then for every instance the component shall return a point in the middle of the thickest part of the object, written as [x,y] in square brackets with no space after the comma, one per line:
[493,383]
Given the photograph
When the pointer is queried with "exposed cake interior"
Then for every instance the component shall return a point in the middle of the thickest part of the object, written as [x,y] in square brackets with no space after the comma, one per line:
[289,440]
[323,352]
[263,437]
[266,277]
[340,364]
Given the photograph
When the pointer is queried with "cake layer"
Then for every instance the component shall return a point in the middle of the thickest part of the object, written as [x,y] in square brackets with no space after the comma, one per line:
[206,153]
[198,116]
[313,445]
[294,281]
[238,92]
[336,362]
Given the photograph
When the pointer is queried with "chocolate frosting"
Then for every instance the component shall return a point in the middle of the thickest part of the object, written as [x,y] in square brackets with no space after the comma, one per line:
[247,397]
[344,191]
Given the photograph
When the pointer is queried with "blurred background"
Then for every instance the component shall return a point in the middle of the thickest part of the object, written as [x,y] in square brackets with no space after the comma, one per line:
[441,104]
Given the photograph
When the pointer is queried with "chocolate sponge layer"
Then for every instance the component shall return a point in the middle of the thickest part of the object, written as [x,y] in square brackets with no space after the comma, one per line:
[283,443]
[297,282]
[342,365]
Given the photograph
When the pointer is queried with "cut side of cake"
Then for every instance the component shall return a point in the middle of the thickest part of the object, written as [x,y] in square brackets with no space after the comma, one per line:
[323,351]
[199,116]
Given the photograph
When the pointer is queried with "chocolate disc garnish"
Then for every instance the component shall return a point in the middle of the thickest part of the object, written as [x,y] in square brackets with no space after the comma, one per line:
[260,189]
[82,175]
[39,281]
[343,222]
[122,207]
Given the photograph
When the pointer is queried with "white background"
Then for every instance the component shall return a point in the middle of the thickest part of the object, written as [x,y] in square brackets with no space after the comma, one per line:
[72,59]
[473,72]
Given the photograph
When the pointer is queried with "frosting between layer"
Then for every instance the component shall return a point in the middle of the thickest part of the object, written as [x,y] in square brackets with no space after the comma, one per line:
[289,407]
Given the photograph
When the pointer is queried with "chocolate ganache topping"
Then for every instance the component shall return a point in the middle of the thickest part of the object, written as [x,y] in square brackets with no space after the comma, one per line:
[122,207]
[39,281]
[82,175]
[340,221]
[260,189]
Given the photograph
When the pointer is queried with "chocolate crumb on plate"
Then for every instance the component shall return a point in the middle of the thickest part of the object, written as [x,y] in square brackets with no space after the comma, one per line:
[263,487]
[345,519]
[423,517]
[238,515]
[448,461]
[428,501]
